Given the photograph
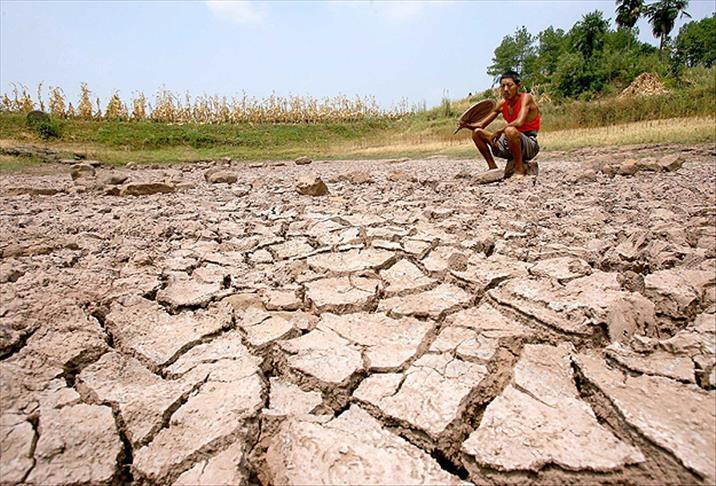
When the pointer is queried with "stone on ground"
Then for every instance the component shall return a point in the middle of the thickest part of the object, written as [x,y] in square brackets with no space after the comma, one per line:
[350,449]
[539,420]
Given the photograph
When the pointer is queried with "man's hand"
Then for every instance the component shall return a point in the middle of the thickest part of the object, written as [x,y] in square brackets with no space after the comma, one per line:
[469,126]
[496,136]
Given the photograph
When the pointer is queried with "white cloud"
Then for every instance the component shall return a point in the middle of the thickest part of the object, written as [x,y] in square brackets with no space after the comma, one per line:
[237,11]
[398,11]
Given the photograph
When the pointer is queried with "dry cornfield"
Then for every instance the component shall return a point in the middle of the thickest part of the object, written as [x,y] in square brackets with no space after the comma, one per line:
[170,107]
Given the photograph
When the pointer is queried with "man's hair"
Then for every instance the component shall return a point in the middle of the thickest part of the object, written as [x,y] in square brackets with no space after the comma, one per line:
[512,75]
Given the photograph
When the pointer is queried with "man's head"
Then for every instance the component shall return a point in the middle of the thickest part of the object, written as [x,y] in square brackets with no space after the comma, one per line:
[509,84]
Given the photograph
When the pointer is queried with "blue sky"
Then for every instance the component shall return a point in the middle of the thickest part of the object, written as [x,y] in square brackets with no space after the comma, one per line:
[391,50]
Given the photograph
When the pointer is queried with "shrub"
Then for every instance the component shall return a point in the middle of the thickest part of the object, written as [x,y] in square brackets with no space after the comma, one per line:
[41,123]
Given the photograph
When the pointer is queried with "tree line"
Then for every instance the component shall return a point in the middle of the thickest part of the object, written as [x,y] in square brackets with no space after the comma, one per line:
[592,59]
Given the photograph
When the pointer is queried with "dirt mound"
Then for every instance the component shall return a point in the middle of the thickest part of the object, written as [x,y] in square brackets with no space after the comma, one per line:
[646,84]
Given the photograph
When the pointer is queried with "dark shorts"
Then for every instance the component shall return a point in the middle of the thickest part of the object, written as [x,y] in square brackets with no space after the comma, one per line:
[530,147]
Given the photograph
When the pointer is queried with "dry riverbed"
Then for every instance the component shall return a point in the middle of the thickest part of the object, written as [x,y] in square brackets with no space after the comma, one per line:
[207,324]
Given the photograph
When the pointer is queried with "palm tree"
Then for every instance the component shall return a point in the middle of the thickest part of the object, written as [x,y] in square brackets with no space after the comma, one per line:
[628,12]
[661,15]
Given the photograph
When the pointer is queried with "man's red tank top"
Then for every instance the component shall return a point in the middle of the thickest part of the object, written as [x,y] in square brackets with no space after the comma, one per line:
[530,126]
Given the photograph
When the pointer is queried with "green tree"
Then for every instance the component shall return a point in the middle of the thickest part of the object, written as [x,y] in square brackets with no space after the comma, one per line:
[588,34]
[628,13]
[516,52]
[552,44]
[577,76]
[696,43]
[662,15]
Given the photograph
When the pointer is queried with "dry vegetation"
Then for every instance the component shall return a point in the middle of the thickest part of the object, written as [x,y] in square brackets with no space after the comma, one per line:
[679,130]
[169,107]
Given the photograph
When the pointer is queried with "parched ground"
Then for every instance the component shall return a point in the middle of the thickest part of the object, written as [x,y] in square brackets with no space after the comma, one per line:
[411,326]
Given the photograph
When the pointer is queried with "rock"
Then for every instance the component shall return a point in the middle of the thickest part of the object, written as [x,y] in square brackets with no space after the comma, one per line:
[648,164]
[16,443]
[267,329]
[311,186]
[143,398]
[323,355]
[581,304]
[293,248]
[221,356]
[457,262]
[430,303]
[288,399]
[531,168]
[218,412]
[562,269]
[404,277]
[351,261]
[78,171]
[632,281]
[476,334]
[72,338]
[222,176]
[595,164]
[540,420]
[146,188]
[492,175]
[114,179]
[486,272]
[628,167]
[583,175]
[655,363]
[34,191]
[679,293]
[357,177]
[226,467]
[67,437]
[303,161]
[671,163]
[285,300]
[655,407]
[399,176]
[189,292]
[429,396]
[387,343]
[143,328]
[352,448]
[342,294]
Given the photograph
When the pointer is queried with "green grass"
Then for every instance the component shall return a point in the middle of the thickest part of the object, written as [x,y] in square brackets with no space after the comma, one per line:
[565,125]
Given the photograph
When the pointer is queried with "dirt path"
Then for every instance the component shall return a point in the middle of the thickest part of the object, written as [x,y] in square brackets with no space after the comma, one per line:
[412,326]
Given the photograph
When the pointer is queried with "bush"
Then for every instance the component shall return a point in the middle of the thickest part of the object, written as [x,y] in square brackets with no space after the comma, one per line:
[43,125]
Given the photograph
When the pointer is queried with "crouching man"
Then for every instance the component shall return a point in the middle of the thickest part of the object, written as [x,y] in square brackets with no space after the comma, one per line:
[518,140]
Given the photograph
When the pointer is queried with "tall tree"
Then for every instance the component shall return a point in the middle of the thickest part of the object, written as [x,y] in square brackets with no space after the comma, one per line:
[696,43]
[662,15]
[628,12]
[588,34]
[516,52]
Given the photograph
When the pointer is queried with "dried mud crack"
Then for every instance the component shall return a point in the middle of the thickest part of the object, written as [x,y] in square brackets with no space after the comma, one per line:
[403,329]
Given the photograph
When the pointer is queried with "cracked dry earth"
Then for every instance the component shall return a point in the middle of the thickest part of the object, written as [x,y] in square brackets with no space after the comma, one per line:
[411,326]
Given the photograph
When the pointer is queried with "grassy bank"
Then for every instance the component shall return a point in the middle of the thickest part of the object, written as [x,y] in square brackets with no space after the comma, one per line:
[685,115]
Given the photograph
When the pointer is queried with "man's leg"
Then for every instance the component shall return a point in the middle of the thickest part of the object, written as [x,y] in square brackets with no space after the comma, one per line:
[482,139]
[514,142]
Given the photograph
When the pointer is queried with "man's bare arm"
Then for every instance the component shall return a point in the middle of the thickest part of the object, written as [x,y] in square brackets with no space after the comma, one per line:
[485,121]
